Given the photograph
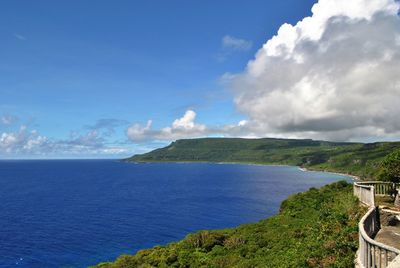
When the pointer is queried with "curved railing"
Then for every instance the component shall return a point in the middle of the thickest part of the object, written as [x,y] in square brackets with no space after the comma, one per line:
[371,253]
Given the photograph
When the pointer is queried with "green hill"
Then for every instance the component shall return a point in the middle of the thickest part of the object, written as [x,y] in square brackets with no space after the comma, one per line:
[361,159]
[317,228]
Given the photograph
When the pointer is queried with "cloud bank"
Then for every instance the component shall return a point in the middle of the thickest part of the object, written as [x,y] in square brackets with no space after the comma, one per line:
[334,75]
[186,127]
[26,142]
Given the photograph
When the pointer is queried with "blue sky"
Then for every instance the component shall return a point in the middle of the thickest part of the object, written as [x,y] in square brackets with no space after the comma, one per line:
[79,74]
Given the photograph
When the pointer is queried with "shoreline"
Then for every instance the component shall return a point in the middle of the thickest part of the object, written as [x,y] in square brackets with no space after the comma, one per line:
[354,177]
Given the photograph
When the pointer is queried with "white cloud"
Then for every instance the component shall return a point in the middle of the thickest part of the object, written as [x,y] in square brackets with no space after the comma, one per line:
[334,75]
[21,141]
[139,132]
[29,143]
[234,43]
[184,127]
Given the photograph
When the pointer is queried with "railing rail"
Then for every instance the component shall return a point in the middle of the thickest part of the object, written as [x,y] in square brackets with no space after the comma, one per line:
[381,188]
[372,254]
[365,193]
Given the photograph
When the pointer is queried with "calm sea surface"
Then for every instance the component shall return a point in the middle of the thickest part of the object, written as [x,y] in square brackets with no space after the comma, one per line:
[77,213]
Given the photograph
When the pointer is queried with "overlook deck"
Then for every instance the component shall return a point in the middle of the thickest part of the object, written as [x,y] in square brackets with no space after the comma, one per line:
[389,235]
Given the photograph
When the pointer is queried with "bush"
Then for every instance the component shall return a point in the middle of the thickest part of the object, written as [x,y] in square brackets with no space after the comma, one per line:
[205,240]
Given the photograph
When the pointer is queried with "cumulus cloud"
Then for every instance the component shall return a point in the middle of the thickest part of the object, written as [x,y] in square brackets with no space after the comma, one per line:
[138,132]
[184,127]
[334,75]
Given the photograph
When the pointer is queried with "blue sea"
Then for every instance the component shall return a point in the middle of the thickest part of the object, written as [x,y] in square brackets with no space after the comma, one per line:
[75,213]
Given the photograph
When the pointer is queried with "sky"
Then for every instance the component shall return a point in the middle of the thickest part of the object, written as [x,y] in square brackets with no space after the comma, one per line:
[102,79]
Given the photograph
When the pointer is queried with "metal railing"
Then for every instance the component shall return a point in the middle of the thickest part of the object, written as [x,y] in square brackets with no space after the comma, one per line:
[372,254]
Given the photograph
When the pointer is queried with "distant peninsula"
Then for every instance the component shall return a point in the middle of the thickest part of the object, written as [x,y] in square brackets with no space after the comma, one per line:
[360,159]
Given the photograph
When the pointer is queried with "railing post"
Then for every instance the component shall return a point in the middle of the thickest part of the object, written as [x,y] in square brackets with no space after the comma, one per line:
[372,196]
[379,265]
[386,257]
[373,256]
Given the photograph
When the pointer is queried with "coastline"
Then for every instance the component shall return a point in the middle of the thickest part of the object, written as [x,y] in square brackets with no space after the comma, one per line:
[354,177]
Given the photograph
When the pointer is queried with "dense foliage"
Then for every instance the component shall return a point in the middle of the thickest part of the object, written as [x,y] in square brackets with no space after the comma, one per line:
[317,228]
[390,170]
[354,158]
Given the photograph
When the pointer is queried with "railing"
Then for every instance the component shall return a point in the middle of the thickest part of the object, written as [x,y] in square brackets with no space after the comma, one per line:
[381,188]
[372,254]
[365,193]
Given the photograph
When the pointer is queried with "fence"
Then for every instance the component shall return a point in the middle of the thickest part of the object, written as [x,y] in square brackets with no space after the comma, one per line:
[381,188]
[372,254]
[365,193]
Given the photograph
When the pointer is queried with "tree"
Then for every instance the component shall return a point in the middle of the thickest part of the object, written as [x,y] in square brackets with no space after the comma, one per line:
[390,171]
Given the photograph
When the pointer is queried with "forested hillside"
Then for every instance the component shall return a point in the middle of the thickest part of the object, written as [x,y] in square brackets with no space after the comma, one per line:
[362,159]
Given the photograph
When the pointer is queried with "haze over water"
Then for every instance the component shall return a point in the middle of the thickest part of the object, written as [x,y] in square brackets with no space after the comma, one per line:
[80,212]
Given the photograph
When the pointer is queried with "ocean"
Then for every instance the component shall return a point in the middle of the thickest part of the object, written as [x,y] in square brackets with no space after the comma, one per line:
[75,213]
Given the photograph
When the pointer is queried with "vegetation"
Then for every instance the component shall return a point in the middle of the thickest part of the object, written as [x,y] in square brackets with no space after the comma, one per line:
[317,228]
[390,169]
[361,159]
